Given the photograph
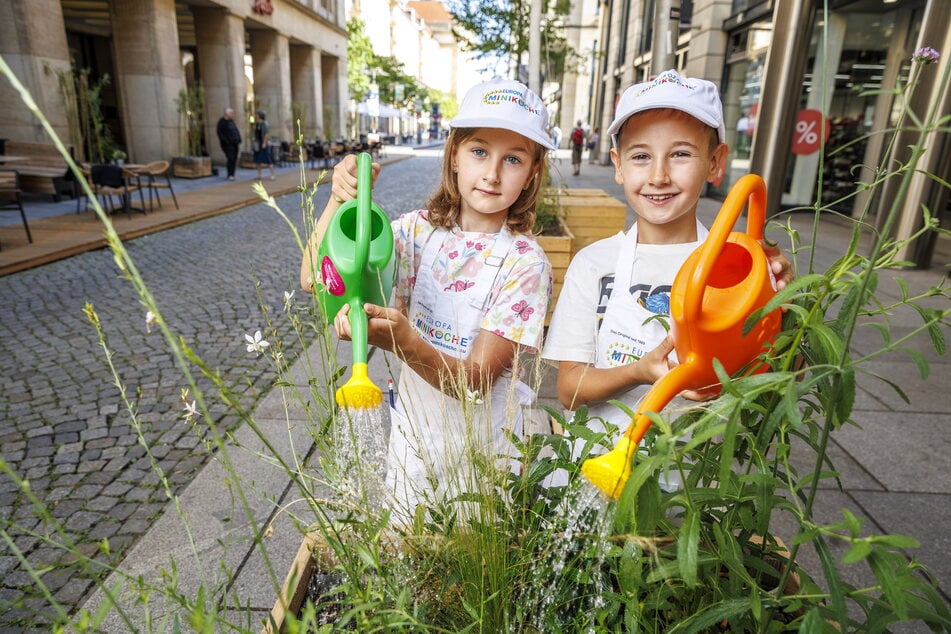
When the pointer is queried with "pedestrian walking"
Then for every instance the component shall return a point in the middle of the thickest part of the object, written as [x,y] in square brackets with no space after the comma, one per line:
[577,147]
[262,151]
[230,139]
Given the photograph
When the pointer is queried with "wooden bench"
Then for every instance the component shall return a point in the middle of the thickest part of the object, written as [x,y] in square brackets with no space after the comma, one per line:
[44,169]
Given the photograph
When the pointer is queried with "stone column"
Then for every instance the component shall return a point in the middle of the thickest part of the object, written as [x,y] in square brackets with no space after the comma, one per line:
[336,94]
[33,44]
[272,86]
[307,90]
[220,38]
[149,77]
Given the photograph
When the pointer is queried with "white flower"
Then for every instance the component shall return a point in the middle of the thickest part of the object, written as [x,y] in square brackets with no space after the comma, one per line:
[191,411]
[474,397]
[288,300]
[256,343]
[150,319]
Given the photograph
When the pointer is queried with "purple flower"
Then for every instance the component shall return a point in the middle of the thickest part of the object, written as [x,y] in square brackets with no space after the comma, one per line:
[926,55]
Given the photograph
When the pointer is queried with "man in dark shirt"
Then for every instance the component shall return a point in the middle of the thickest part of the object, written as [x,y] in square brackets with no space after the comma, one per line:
[230,140]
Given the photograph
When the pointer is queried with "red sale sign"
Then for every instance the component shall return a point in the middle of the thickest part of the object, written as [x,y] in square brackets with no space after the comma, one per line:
[810,132]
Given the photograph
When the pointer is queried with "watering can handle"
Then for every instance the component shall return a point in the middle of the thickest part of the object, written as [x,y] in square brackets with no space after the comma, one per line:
[749,188]
[363,233]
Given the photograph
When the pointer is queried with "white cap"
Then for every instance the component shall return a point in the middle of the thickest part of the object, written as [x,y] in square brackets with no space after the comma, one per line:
[697,97]
[506,104]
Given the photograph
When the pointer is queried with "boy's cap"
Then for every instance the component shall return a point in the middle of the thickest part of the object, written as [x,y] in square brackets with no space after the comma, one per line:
[506,104]
[697,97]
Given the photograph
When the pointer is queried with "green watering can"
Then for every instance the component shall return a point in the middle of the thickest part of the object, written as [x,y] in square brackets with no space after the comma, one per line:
[355,259]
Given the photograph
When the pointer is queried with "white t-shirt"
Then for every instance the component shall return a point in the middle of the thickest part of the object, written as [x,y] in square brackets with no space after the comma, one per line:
[589,282]
[576,323]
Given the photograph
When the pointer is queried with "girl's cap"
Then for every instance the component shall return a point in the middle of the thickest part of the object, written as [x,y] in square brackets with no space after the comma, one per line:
[697,97]
[506,104]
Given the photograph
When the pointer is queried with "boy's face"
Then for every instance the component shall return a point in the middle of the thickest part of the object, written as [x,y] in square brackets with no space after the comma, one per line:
[663,159]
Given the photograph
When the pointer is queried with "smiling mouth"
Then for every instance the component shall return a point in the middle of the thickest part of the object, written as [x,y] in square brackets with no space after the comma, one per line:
[658,197]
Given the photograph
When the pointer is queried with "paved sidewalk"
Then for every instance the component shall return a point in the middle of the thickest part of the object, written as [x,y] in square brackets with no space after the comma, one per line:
[894,470]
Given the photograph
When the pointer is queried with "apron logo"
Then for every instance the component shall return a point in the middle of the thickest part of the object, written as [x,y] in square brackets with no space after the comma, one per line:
[439,333]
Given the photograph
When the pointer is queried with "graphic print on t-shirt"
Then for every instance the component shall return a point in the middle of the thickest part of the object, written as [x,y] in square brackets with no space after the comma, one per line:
[629,348]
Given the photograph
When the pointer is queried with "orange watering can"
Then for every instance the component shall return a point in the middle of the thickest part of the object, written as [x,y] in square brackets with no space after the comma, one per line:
[718,287]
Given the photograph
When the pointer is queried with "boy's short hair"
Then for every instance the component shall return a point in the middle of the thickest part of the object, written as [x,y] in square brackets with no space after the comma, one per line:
[505,104]
[697,97]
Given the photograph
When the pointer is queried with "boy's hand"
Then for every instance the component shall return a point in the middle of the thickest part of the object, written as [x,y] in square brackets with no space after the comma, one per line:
[343,184]
[667,364]
[779,264]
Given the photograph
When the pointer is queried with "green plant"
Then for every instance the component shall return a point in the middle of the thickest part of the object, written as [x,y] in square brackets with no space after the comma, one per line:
[82,102]
[549,212]
[191,110]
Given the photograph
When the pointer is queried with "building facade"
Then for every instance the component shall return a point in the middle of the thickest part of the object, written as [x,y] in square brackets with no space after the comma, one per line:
[286,57]
[785,67]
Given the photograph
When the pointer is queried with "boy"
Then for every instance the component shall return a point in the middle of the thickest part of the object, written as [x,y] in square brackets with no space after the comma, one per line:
[667,143]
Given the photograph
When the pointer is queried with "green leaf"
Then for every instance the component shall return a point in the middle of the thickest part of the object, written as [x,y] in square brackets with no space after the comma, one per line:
[889,582]
[897,541]
[688,545]
[859,550]
[711,616]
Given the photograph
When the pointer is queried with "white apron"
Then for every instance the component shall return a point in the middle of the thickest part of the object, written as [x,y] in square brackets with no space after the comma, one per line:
[430,431]
[624,336]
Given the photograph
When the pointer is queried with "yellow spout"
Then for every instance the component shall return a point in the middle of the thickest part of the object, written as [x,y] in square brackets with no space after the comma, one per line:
[609,472]
[359,392]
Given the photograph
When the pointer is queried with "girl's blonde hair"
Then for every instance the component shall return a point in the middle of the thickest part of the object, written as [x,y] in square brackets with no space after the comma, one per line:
[444,204]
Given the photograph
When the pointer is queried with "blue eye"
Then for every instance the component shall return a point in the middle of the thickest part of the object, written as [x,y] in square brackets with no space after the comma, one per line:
[478,151]
[513,160]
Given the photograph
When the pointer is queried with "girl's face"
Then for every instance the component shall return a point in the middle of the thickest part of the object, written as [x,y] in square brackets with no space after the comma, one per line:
[492,167]
[663,161]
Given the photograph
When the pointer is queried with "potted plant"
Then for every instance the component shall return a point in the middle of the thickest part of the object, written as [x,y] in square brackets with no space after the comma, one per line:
[553,236]
[516,553]
[118,157]
[191,108]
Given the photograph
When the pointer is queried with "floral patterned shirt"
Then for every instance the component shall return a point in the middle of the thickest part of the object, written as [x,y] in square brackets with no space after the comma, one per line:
[519,298]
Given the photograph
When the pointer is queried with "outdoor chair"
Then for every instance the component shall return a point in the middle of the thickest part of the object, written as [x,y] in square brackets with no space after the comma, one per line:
[114,180]
[318,155]
[153,172]
[10,196]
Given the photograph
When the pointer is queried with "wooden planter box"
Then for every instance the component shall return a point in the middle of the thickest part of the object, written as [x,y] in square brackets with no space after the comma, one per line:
[559,250]
[191,166]
[294,590]
[592,215]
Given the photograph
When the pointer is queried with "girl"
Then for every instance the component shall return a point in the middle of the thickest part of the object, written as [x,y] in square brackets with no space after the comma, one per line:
[472,289]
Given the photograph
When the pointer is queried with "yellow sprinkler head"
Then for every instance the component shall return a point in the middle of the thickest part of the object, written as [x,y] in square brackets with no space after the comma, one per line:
[609,472]
[359,392]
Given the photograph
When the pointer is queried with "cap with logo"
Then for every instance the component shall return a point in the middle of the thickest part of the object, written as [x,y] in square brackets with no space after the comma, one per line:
[697,97]
[505,104]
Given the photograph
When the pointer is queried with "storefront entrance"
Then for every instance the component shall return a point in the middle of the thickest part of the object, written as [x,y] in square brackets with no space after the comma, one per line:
[862,47]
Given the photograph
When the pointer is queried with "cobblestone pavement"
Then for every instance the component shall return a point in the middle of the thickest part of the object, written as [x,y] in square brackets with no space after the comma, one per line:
[63,426]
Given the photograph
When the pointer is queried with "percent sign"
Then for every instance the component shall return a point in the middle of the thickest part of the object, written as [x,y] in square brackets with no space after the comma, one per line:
[807,132]
[806,138]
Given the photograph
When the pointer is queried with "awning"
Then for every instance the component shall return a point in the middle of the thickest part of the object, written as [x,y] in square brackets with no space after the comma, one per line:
[386,112]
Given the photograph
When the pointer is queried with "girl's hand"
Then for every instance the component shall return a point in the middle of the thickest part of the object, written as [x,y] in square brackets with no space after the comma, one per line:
[343,184]
[386,327]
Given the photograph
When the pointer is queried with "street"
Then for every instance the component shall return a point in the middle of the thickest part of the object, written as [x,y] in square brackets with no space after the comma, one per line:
[63,426]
